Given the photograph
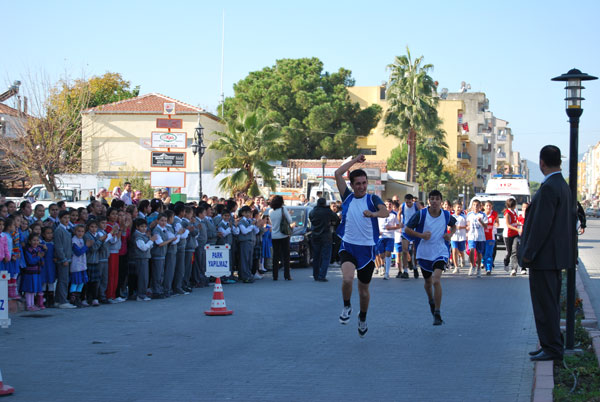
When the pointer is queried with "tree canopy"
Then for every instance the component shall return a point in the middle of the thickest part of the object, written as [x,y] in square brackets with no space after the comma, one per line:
[412,113]
[49,141]
[248,143]
[312,107]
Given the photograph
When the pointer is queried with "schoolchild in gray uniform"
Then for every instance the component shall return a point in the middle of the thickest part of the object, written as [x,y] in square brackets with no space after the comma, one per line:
[159,254]
[189,222]
[180,265]
[199,271]
[63,251]
[141,245]
[247,238]
[211,229]
[103,254]
[231,206]
[217,214]
[226,233]
[92,256]
[171,258]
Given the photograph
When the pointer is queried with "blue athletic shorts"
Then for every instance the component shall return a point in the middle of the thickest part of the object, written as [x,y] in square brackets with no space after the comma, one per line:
[398,247]
[362,255]
[477,245]
[385,244]
[460,245]
[427,265]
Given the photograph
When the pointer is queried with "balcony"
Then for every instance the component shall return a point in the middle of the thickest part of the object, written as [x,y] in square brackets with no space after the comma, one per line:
[487,148]
[502,137]
[501,155]
[464,155]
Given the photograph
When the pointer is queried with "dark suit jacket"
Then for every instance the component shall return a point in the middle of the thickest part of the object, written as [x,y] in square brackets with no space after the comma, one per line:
[549,224]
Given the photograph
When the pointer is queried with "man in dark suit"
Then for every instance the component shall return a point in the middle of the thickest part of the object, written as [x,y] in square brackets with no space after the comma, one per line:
[546,249]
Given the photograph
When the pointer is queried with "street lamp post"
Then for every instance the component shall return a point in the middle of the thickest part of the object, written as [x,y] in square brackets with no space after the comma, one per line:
[323,163]
[198,147]
[573,100]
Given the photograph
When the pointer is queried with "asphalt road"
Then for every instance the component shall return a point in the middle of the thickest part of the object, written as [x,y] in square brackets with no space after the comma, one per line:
[283,343]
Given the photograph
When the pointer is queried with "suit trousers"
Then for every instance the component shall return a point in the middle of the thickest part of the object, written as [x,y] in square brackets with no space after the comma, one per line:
[544,286]
[158,275]
[103,267]
[170,262]
[199,268]
[141,265]
[62,285]
[187,272]
[179,270]
[246,250]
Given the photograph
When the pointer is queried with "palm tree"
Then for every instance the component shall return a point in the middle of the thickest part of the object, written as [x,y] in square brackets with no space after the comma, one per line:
[412,107]
[248,142]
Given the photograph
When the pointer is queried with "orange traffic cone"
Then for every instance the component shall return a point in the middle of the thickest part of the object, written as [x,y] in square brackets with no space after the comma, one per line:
[5,389]
[217,306]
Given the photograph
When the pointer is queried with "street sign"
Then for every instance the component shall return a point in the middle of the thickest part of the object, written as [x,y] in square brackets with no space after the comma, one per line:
[168,159]
[4,320]
[176,124]
[167,179]
[217,260]
[168,108]
[168,140]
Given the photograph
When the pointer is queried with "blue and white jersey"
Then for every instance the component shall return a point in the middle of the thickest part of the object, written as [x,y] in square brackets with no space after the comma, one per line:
[407,213]
[436,247]
[355,228]
[391,220]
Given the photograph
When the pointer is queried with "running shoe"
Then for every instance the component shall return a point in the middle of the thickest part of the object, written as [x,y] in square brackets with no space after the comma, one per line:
[488,272]
[399,275]
[455,270]
[404,275]
[437,318]
[471,271]
[513,272]
[416,273]
[362,328]
[523,271]
[386,276]
[345,316]
[479,272]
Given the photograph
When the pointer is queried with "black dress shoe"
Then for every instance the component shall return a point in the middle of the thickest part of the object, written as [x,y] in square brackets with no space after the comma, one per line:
[543,356]
[536,352]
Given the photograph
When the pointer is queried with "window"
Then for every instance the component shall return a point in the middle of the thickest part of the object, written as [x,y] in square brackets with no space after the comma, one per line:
[368,151]
[382,92]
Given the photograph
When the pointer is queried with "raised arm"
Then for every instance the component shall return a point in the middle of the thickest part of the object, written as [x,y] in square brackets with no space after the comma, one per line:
[339,173]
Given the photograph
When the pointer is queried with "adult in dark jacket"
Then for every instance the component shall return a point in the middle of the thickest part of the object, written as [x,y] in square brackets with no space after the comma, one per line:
[546,249]
[321,218]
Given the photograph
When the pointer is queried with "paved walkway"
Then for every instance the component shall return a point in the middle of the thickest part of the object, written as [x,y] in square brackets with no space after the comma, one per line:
[283,343]
[589,252]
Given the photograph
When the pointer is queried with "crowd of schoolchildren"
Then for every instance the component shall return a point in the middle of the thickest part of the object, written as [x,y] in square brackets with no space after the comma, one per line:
[475,235]
[69,258]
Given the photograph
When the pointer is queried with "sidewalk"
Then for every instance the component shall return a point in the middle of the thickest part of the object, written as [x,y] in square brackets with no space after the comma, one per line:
[284,342]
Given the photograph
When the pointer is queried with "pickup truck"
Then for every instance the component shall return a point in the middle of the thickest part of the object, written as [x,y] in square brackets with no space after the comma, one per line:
[38,194]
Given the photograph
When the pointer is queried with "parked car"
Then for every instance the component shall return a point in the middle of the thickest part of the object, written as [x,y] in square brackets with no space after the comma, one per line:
[592,212]
[300,252]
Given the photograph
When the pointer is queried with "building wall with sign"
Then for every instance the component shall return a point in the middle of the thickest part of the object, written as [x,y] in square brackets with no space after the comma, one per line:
[121,142]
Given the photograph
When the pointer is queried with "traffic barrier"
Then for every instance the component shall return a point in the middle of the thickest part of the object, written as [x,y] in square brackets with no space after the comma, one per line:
[218,306]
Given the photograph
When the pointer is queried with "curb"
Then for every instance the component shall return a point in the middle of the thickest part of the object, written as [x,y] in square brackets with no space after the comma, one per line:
[543,381]
[590,314]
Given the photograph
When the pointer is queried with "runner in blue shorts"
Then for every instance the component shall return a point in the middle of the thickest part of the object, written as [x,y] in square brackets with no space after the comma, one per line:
[359,231]
[387,229]
[430,227]
[476,224]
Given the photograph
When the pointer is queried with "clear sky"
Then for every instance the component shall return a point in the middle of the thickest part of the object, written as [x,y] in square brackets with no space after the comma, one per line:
[508,49]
